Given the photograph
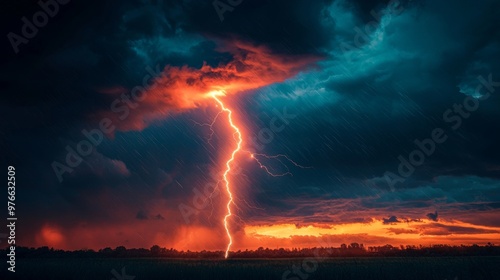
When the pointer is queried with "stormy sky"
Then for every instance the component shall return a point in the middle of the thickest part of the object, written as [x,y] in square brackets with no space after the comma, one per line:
[387,113]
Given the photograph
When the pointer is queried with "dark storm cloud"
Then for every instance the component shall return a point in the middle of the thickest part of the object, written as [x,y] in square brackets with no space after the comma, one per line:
[158,217]
[355,114]
[390,220]
[472,197]
[440,229]
[370,104]
[285,26]
[141,215]
[433,216]
[400,230]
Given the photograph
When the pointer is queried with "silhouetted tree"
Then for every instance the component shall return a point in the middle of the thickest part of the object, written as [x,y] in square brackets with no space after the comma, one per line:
[155,250]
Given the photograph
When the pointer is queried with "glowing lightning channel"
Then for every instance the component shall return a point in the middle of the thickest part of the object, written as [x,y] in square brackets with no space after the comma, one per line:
[228,168]
[239,142]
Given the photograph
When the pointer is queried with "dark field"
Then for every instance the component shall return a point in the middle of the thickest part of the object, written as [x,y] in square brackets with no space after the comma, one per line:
[339,268]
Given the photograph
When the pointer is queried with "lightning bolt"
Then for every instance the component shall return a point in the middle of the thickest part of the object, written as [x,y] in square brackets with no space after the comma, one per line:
[239,141]
[238,137]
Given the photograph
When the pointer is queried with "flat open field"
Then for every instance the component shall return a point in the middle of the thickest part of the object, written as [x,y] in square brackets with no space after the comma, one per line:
[419,268]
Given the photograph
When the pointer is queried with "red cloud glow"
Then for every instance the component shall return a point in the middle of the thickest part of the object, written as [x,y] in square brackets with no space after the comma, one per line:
[181,88]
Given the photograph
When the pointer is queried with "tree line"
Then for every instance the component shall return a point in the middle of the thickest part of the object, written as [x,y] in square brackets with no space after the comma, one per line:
[345,250]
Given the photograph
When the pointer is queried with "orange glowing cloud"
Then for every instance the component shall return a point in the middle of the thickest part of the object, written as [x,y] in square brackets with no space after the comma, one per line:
[171,234]
[181,88]
[375,232]
[50,236]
